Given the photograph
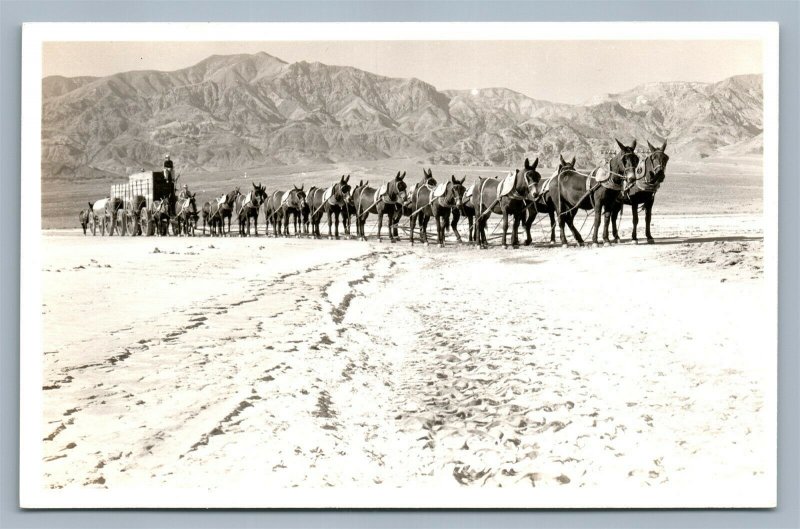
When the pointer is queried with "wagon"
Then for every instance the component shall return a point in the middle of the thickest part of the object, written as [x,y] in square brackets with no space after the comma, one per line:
[140,196]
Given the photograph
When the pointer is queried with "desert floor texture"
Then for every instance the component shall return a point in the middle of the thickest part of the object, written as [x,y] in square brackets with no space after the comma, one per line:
[292,362]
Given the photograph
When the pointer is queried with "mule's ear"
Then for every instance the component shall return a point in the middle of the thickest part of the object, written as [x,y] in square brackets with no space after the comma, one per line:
[527,164]
[664,146]
[302,186]
[633,145]
[572,162]
[535,163]
[404,175]
[347,179]
[462,180]
[561,158]
[453,179]
[650,146]
[397,175]
[621,146]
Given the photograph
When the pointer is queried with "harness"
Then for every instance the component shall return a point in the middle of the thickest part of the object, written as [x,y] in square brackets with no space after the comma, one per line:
[642,173]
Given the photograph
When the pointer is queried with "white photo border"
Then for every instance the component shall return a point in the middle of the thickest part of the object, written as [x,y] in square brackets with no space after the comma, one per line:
[32,492]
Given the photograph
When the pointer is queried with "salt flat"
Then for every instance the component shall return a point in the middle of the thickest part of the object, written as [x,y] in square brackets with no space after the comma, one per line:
[267,362]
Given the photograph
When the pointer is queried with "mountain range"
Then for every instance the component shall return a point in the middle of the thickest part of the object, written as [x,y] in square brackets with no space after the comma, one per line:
[242,111]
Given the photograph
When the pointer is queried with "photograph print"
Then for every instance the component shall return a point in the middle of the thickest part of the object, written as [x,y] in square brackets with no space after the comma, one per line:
[483,265]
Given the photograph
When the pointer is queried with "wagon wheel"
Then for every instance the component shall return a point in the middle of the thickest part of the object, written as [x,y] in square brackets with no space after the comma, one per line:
[130,224]
[145,226]
[93,223]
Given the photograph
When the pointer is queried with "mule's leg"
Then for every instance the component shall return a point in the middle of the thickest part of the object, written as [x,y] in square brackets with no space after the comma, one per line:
[514,234]
[552,216]
[454,224]
[440,230]
[505,228]
[412,221]
[380,224]
[391,226]
[530,217]
[634,221]
[614,215]
[484,241]
[575,232]
[330,224]
[562,220]
[606,221]
[598,213]
[648,210]
[471,220]
[336,224]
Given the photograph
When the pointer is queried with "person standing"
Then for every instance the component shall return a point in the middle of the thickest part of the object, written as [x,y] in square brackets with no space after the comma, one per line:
[169,177]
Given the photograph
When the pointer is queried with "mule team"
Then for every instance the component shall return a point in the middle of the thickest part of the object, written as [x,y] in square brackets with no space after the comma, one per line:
[519,197]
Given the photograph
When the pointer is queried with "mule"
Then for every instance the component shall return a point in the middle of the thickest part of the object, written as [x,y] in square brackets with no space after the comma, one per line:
[543,204]
[210,215]
[158,221]
[388,200]
[83,217]
[185,213]
[113,207]
[641,191]
[225,209]
[246,207]
[283,204]
[487,200]
[468,210]
[438,203]
[349,209]
[572,190]
[411,196]
[272,208]
[331,202]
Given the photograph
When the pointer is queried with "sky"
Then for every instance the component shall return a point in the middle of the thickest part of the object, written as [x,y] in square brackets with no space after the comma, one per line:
[561,71]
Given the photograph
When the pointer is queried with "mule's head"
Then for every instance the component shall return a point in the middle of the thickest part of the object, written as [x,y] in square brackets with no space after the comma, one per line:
[427,177]
[564,165]
[397,188]
[298,196]
[455,191]
[656,163]
[532,178]
[191,204]
[259,194]
[341,189]
[623,164]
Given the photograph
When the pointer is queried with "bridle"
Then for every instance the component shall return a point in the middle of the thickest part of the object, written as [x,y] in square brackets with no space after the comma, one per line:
[390,190]
[648,181]
[450,191]
[621,160]
[529,195]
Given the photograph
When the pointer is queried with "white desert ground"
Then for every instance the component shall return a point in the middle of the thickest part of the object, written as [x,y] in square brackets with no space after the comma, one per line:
[263,363]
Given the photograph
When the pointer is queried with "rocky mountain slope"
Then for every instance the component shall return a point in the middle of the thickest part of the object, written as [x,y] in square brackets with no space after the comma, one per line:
[241,111]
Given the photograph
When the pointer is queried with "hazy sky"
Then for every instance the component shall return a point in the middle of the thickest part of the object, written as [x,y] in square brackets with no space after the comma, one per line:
[564,71]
